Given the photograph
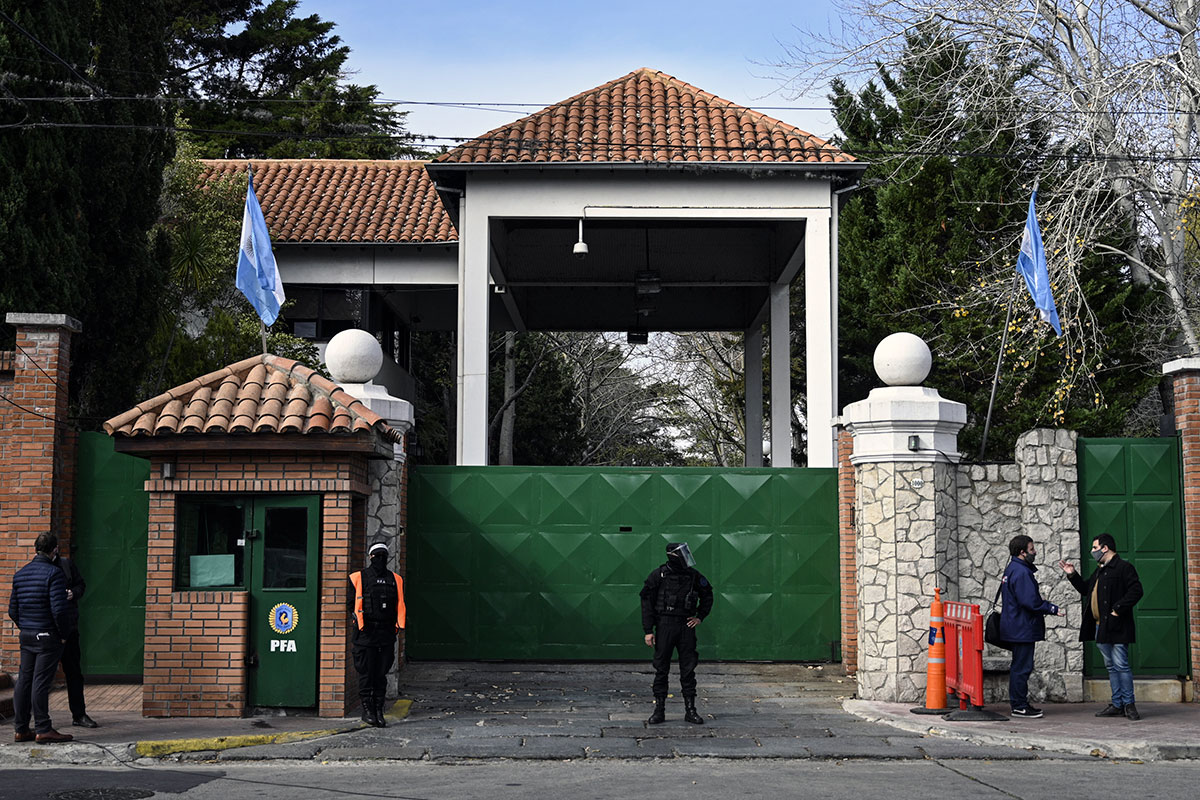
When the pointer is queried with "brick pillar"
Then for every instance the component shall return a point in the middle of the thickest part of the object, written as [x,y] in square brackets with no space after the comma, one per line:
[35,450]
[1185,373]
[846,544]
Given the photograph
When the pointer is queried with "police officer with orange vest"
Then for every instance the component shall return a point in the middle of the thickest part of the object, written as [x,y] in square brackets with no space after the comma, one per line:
[378,596]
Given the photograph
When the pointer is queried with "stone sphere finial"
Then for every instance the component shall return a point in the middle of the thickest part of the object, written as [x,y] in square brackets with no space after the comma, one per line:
[903,359]
[353,356]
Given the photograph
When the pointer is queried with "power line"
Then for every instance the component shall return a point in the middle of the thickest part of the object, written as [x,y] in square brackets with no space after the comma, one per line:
[521,145]
[29,411]
[53,54]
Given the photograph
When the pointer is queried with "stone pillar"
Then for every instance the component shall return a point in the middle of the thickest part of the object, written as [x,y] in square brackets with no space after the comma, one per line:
[37,460]
[1185,373]
[354,358]
[905,456]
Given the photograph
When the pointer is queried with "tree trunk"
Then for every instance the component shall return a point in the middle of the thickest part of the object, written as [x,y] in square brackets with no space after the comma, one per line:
[508,421]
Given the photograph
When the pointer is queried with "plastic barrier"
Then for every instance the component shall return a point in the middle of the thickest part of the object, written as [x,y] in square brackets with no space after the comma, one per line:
[964,662]
[935,670]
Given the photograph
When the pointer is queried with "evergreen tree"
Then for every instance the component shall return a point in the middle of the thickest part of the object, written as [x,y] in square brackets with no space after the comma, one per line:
[923,247]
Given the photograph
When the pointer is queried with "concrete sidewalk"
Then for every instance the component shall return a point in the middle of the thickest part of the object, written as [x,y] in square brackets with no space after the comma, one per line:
[467,712]
[1167,731]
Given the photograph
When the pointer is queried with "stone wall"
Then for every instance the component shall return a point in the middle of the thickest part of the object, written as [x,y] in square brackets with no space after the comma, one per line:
[1038,496]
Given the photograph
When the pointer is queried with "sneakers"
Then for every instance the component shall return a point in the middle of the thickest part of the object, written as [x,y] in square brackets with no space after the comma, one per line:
[1131,712]
[52,736]
[1026,713]
[1112,711]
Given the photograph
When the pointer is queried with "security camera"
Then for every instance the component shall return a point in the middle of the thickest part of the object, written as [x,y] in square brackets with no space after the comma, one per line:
[580,250]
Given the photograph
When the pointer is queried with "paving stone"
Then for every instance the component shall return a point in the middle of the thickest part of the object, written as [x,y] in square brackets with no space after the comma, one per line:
[781,747]
[267,752]
[717,748]
[382,752]
[474,748]
[554,747]
[939,747]
[859,747]
[630,748]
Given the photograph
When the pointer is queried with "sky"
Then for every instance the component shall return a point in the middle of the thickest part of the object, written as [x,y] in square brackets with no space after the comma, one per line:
[542,52]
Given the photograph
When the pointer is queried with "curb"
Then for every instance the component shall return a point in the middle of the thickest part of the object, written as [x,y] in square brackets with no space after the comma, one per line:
[1130,750]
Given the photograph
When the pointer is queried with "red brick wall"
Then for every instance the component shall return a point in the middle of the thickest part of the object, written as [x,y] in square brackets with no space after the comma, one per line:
[1187,422]
[35,451]
[198,668]
[847,540]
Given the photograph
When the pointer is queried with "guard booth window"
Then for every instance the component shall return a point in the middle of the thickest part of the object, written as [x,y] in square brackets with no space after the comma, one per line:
[285,548]
[209,549]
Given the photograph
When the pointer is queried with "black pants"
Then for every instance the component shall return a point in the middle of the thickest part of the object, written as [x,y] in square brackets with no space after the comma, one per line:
[372,663]
[72,664]
[672,633]
[40,654]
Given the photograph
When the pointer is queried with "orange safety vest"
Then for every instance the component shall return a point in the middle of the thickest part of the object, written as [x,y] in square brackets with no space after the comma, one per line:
[356,579]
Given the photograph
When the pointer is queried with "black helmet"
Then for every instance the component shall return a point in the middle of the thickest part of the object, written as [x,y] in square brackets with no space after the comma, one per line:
[679,555]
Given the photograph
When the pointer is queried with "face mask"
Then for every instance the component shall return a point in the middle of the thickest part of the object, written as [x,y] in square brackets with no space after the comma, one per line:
[1029,557]
[1097,554]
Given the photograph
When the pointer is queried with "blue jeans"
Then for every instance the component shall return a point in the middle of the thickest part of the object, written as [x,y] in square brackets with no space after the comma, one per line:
[1120,676]
[1018,674]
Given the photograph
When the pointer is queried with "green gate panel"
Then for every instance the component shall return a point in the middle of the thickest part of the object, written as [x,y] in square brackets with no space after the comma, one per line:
[547,563]
[112,512]
[1130,488]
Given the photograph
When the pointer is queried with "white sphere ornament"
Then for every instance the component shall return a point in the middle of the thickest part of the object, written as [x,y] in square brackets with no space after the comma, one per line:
[353,356]
[903,359]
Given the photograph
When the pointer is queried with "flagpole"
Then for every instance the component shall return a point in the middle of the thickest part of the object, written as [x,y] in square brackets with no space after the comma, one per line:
[262,330]
[987,423]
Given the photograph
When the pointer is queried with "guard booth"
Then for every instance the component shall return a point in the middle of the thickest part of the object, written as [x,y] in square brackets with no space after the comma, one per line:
[258,488]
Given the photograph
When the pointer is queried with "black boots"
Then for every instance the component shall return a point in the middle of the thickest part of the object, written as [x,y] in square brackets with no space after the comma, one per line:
[372,712]
[380,720]
[660,711]
[690,714]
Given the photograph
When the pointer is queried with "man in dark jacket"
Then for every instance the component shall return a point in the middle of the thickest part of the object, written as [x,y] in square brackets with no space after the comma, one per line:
[1022,621]
[38,606]
[675,599]
[72,658]
[1109,596]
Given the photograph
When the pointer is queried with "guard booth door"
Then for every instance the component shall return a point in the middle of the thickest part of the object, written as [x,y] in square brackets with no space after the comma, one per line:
[282,543]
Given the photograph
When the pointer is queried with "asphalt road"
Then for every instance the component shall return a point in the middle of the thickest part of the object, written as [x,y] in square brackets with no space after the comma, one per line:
[645,780]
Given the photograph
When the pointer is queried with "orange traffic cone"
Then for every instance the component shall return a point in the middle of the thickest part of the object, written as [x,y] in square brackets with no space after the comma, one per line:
[935,671]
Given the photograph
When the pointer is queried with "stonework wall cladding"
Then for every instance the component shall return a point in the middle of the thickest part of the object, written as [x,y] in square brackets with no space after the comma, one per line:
[385,523]
[923,525]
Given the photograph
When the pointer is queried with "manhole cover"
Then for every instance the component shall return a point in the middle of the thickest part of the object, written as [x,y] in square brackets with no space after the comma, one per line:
[111,793]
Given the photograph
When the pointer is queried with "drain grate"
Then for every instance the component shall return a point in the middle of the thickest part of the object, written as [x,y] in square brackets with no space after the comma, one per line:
[110,793]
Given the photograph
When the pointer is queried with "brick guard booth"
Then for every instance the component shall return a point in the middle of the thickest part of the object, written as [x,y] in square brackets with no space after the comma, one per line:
[260,485]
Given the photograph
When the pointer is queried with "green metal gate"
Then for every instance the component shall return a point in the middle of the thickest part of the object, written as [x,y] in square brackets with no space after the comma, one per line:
[1131,489]
[547,562]
[112,512]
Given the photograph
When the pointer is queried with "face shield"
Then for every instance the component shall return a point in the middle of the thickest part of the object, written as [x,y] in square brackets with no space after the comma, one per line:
[679,554]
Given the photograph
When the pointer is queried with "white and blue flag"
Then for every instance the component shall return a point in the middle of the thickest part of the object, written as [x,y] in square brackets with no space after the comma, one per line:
[1031,263]
[257,276]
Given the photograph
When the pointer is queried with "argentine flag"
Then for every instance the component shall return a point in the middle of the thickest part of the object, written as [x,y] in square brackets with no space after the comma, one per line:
[1031,263]
[257,275]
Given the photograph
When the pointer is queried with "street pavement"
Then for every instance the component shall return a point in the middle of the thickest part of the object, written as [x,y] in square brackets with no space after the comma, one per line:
[470,713]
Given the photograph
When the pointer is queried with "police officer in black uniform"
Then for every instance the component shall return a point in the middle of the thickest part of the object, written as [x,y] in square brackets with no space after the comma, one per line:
[377,600]
[675,599]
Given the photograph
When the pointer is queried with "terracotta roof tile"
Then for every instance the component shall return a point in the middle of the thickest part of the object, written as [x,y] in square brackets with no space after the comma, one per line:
[646,116]
[262,394]
[344,200]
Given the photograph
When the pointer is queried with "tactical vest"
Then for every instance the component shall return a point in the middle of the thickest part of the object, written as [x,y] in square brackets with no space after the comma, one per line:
[380,600]
[677,595]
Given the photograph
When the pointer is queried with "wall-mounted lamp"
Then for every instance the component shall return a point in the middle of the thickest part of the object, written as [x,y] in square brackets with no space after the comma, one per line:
[168,470]
[581,249]
[914,443]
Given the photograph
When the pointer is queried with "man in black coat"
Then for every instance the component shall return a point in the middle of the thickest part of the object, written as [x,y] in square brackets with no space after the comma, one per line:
[1109,596]
[72,658]
[38,606]
[675,599]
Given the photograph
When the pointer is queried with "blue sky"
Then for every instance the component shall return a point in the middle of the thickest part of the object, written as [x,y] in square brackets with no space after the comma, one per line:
[542,52]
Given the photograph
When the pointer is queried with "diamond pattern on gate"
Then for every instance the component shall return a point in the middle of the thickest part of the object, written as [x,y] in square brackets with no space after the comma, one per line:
[684,499]
[560,558]
[565,498]
[1152,526]
[807,497]
[563,618]
[624,498]
[503,498]
[442,559]
[804,563]
[1153,467]
[747,560]
[1106,516]
[744,497]
[751,615]
[620,558]
[1103,468]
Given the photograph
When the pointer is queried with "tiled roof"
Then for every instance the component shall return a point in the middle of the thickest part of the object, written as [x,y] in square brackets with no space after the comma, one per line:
[646,116]
[262,394]
[328,200]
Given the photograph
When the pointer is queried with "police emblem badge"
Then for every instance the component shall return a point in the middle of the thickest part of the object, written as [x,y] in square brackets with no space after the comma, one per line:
[283,618]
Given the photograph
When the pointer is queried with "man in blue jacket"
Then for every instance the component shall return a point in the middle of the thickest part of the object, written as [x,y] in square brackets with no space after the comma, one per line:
[1022,621]
[38,606]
